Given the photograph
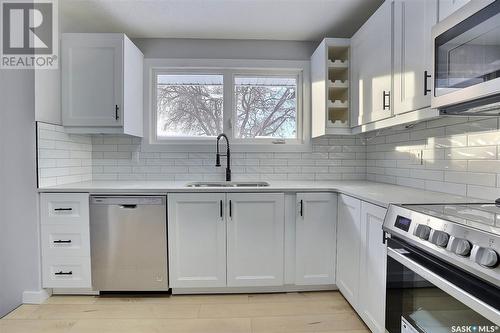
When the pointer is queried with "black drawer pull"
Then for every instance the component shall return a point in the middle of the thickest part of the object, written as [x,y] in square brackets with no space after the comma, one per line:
[60,241]
[63,273]
[63,209]
[302,208]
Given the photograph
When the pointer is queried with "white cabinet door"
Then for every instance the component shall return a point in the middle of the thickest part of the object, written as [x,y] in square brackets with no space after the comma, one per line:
[372,268]
[197,240]
[92,77]
[348,248]
[315,238]
[371,73]
[255,232]
[447,7]
[413,21]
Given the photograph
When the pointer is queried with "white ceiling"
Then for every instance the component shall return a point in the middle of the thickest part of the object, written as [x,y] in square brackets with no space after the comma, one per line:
[307,20]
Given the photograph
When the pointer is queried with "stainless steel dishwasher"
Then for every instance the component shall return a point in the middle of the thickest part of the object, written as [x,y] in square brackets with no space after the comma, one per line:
[128,237]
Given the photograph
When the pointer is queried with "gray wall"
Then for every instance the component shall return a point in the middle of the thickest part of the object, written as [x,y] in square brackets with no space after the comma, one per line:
[225,49]
[19,255]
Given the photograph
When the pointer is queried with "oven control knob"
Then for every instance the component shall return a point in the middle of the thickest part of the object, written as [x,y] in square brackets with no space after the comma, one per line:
[462,247]
[422,231]
[486,257]
[440,238]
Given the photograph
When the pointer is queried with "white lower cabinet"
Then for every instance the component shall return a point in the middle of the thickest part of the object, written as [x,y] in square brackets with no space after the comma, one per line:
[348,247]
[372,268]
[255,232]
[361,259]
[197,240]
[315,243]
[65,240]
[201,224]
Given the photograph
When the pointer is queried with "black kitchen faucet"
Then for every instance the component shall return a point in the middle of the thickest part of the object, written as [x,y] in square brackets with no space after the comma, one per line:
[228,156]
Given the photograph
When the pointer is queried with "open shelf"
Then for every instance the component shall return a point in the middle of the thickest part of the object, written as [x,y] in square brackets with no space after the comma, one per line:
[338,117]
[330,96]
[338,53]
[336,73]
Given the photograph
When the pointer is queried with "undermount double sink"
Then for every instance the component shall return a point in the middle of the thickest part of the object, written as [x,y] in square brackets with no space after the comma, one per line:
[227,184]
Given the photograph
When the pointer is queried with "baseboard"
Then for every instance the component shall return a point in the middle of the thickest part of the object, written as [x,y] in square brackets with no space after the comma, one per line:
[74,291]
[252,290]
[36,297]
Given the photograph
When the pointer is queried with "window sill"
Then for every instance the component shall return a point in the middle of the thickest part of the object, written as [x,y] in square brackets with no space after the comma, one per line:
[209,146]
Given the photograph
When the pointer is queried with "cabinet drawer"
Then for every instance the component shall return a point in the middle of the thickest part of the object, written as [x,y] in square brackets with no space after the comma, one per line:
[64,208]
[66,272]
[65,241]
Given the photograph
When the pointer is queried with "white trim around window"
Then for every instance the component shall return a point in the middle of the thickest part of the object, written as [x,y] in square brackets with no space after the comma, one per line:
[229,68]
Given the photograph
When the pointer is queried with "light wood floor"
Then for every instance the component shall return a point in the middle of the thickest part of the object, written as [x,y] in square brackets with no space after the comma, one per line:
[259,313]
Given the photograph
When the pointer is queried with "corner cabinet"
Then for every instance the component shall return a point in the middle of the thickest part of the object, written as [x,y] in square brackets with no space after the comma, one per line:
[315,243]
[371,75]
[361,259]
[201,224]
[102,84]
[348,247]
[330,87]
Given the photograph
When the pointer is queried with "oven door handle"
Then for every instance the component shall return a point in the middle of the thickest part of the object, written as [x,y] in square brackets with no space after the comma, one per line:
[471,301]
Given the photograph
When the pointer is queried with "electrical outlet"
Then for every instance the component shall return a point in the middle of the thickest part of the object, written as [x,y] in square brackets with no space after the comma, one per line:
[417,157]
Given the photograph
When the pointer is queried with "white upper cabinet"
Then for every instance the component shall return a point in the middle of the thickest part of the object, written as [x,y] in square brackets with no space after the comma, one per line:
[197,240]
[102,84]
[330,87]
[447,7]
[413,21]
[315,238]
[373,259]
[255,233]
[371,63]
[348,248]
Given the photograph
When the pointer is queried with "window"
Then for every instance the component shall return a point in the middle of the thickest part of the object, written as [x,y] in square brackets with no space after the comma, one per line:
[255,106]
[189,105]
[266,107]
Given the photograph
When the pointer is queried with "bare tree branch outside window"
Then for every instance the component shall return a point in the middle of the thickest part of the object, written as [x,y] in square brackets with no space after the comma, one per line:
[189,105]
[192,106]
[266,107]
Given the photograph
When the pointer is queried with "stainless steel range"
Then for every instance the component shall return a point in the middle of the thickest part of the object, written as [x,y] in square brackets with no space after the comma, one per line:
[443,272]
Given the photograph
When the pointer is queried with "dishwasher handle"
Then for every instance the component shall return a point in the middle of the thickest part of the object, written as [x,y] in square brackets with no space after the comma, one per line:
[129,202]
[128,206]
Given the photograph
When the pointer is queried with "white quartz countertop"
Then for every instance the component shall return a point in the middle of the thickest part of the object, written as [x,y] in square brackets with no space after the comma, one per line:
[377,193]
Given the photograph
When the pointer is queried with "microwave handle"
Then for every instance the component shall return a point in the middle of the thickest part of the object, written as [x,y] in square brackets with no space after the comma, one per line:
[471,301]
[426,77]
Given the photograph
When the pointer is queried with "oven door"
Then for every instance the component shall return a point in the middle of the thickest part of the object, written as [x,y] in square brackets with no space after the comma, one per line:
[467,55]
[425,294]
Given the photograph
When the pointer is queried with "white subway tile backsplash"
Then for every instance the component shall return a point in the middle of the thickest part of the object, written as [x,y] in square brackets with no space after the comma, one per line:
[460,156]
[62,158]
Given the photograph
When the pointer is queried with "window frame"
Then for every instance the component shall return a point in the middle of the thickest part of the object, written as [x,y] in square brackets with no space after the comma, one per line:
[230,69]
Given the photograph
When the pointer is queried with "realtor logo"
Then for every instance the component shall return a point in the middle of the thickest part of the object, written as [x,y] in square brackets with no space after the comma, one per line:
[29,34]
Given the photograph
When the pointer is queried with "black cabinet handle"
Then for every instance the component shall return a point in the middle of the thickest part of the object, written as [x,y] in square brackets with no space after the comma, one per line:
[60,241]
[64,273]
[426,76]
[230,209]
[301,207]
[117,111]
[63,209]
[220,208]
[385,95]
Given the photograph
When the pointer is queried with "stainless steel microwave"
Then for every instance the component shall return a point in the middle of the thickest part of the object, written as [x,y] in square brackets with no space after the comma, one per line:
[467,60]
